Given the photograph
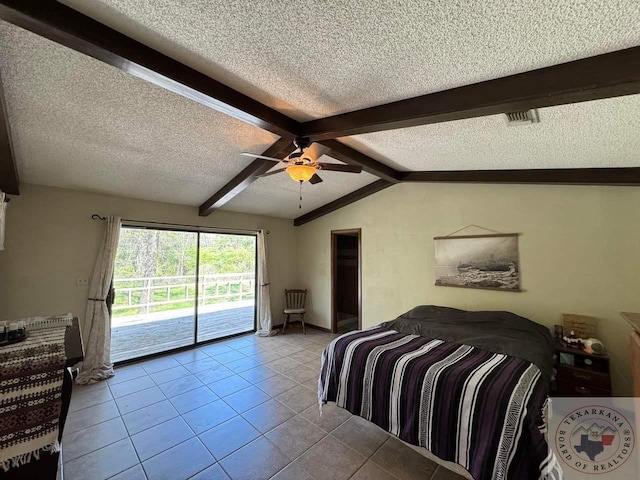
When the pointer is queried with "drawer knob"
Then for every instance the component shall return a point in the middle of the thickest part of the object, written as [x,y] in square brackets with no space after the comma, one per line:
[583,390]
[582,376]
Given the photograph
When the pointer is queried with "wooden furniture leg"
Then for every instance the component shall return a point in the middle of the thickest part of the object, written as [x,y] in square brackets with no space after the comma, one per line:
[302,321]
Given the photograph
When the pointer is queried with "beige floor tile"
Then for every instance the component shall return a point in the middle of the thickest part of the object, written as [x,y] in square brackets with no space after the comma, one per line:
[295,436]
[193,399]
[259,460]
[332,416]
[161,437]
[93,438]
[302,373]
[181,385]
[214,374]
[443,473]
[214,472]
[158,364]
[246,399]
[133,473]
[258,374]
[298,398]
[85,397]
[283,365]
[129,372]
[229,385]
[268,415]
[206,417]
[180,462]
[138,400]
[150,416]
[331,459]
[361,435]
[228,437]
[103,463]
[87,417]
[131,386]
[169,374]
[403,462]
[371,471]
[276,385]
[293,471]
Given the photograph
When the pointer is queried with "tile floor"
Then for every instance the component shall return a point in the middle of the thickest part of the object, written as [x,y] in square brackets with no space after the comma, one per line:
[244,408]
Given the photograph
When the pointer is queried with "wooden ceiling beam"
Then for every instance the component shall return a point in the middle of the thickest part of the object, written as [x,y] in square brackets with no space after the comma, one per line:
[550,176]
[348,155]
[343,201]
[9,181]
[560,176]
[70,28]
[280,149]
[603,76]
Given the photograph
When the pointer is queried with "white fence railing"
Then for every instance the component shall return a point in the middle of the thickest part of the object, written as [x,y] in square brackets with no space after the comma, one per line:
[149,292]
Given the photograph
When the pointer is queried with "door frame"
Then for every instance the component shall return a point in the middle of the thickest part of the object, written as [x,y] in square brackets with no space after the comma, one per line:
[334,267]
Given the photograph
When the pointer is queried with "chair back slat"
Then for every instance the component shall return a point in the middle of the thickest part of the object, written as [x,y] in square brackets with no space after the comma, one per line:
[295,298]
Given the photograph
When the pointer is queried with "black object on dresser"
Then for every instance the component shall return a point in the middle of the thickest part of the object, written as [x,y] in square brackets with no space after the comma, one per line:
[580,374]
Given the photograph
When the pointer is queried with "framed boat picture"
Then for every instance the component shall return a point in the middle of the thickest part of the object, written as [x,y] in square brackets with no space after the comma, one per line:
[478,261]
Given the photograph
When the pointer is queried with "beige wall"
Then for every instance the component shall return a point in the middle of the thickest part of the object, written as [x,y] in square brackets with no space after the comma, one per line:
[579,253]
[51,240]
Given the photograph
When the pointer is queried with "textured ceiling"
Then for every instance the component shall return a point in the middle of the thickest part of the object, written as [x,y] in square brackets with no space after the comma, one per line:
[278,195]
[81,124]
[315,58]
[602,133]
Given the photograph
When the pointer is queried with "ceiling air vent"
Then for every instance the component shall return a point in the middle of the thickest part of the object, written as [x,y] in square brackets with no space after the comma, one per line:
[525,117]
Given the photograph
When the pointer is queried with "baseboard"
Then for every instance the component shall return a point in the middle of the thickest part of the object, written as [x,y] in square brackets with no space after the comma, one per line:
[306,324]
[316,327]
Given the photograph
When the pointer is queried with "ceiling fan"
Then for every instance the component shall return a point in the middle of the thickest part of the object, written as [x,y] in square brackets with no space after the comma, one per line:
[302,166]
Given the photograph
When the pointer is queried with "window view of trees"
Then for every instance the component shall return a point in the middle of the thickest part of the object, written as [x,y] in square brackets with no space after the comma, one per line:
[155,269]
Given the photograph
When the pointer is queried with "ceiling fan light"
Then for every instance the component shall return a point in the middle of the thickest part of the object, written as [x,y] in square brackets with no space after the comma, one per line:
[301,173]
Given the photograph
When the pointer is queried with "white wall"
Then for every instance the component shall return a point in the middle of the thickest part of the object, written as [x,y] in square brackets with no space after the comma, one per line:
[51,240]
[579,253]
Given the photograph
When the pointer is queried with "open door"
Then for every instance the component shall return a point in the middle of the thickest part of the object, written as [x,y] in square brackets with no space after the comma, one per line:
[346,280]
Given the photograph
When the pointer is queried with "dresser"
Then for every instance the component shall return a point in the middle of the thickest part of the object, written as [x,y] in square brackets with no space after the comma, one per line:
[634,320]
[47,466]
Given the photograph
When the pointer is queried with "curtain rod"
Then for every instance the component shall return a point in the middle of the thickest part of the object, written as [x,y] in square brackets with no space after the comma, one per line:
[95,216]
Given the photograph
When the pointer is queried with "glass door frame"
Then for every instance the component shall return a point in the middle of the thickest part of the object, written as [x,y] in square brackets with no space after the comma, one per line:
[198,230]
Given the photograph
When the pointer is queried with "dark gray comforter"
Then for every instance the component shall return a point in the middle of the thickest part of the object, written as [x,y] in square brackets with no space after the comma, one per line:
[497,332]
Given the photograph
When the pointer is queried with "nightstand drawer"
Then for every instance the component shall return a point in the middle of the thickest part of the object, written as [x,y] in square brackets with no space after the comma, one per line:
[571,389]
[584,376]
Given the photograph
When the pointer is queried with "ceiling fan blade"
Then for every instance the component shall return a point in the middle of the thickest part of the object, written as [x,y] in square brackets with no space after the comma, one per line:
[246,154]
[272,172]
[315,179]
[336,167]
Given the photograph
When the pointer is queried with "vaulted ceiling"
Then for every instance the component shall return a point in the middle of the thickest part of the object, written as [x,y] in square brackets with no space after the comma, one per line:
[77,122]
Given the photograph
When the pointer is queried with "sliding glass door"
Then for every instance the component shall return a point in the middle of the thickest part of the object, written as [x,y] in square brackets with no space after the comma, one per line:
[175,288]
[226,290]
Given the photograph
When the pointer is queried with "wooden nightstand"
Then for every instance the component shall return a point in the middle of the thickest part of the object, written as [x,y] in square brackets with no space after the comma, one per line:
[580,374]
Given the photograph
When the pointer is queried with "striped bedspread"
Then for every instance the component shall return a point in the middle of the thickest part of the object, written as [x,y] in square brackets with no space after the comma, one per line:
[479,409]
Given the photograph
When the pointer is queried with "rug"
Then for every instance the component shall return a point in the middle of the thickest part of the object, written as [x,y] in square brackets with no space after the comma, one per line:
[31,375]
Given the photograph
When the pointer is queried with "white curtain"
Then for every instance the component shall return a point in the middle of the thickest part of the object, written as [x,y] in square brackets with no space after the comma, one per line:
[264,299]
[96,328]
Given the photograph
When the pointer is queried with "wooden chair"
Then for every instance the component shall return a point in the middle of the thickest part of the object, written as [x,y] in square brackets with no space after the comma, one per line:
[294,305]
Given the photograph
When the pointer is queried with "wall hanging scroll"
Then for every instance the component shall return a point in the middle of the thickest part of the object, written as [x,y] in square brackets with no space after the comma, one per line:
[478,261]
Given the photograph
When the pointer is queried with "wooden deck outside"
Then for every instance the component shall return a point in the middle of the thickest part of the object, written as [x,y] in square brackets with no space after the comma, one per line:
[132,341]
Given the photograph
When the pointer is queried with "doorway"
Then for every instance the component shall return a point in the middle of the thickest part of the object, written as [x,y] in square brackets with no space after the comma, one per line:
[346,280]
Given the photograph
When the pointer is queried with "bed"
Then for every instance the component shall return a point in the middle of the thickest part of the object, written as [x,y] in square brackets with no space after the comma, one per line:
[469,387]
